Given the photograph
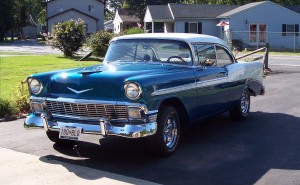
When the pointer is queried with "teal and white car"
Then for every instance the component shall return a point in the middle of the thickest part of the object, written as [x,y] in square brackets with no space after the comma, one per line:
[149,85]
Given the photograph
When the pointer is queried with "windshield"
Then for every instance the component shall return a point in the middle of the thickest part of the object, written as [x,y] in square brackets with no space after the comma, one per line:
[149,50]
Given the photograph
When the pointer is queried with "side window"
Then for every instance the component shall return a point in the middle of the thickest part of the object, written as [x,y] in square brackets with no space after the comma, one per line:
[223,57]
[205,55]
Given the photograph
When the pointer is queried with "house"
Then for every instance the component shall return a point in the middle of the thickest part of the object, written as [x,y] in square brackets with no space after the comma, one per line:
[250,25]
[264,22]
[124,20]
[90,11]
[188,18]
[109,26]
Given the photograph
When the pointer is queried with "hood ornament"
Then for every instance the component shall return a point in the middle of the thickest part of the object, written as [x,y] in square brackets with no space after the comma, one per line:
[79,92]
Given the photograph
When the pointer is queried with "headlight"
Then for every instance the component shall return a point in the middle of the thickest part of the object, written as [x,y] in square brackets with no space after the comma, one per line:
[132,90]
[35,86]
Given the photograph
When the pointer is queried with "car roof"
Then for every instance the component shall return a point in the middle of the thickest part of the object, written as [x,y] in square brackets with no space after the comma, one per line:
[186,37]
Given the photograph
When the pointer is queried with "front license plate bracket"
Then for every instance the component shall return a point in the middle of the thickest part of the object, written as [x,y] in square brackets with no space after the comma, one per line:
[70,133]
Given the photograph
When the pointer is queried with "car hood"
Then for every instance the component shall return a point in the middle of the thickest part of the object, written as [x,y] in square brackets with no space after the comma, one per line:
[103,82]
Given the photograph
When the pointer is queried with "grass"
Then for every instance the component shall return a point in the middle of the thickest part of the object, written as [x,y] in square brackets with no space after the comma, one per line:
[14,69]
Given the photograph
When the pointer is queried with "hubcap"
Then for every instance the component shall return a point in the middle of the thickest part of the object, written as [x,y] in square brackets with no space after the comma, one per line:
[170,131]
[245,102]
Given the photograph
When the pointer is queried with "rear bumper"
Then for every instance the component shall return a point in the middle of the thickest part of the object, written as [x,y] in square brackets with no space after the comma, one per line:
[103,127]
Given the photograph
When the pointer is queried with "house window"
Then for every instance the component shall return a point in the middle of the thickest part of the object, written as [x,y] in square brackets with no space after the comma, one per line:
[91,8]
[258,33]
[193,27]
[290,29]
[253,34]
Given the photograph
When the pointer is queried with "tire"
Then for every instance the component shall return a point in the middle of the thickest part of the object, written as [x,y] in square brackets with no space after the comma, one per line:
[165,141]
[54,137]
[241,111]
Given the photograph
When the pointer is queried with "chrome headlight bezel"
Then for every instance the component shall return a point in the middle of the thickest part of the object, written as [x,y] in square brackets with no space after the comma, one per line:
[133,90]
[34,85]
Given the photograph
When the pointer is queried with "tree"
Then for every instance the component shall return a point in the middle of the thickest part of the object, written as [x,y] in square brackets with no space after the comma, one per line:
[115,4]
[138,7]
[6,16]
[14,14]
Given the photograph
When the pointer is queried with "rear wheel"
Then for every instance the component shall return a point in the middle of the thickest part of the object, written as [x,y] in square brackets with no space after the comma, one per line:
[166,139]
[241,111]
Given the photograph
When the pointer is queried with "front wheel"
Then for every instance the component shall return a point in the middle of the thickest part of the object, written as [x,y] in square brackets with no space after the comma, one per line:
[241,111]
[166,139]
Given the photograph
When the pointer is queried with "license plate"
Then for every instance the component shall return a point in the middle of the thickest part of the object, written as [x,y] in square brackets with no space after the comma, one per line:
[70,133]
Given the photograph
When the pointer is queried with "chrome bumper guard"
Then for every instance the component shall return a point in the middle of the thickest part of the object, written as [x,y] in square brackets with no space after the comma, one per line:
[105,128]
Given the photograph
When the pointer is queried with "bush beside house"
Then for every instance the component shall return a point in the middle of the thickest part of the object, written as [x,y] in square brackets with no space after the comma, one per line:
[68,36]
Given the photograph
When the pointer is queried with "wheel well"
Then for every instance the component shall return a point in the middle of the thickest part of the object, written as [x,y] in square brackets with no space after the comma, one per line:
[178,105]
[251,91]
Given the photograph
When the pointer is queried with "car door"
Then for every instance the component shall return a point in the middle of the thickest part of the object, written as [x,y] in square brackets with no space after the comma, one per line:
[233,87]
[211,79]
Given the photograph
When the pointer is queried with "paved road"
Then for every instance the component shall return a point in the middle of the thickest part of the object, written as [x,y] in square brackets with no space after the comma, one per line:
[264,149]
[31,47]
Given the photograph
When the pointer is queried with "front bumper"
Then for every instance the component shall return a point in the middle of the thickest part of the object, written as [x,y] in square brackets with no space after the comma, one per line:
[104,127]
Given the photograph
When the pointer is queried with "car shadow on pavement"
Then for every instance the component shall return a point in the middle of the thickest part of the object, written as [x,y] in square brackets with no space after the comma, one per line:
[218,151]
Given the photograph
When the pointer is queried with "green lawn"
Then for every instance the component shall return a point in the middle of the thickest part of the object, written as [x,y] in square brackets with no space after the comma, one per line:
[14,69]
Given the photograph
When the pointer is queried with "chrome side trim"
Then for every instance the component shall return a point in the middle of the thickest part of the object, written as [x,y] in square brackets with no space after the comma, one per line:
[212,82]
[199,84]
[174,89]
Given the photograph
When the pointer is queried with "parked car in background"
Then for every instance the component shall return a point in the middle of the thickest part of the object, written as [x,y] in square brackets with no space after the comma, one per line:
[149,85]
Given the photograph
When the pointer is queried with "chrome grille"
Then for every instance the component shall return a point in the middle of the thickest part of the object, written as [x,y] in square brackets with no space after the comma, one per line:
[87,110]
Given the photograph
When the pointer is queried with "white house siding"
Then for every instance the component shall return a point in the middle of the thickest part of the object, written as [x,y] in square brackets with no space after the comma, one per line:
[148,17]
[117,23]
[91,23]
[56,6]
[208,26]
[273,16]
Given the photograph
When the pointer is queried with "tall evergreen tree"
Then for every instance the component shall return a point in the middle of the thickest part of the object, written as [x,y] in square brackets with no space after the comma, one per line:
[6,16]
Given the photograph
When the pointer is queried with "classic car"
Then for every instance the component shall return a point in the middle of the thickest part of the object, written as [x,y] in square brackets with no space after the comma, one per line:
[148,86]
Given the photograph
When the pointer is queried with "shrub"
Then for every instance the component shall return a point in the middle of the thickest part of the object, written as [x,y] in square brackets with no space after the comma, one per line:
[19,103]
[99,42]
[21,98]
[134,30]
[6,108]
[68,36]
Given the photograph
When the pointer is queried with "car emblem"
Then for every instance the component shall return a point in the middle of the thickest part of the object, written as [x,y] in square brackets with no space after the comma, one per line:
[78,92]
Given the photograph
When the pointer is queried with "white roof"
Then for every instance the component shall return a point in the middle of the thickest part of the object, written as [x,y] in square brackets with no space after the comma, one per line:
[186,37]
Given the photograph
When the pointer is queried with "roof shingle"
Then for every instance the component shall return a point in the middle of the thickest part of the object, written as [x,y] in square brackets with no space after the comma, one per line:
[199,10]
[126,16]
[160,12]
[239,9]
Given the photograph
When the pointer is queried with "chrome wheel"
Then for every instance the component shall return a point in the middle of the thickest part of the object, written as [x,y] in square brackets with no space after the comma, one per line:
[241,111]
[170,131]
[245,102]
[167,137]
